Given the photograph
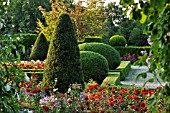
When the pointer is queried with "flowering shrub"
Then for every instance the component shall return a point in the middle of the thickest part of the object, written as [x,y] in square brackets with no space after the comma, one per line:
[31,65]
[130,57]
[94,99]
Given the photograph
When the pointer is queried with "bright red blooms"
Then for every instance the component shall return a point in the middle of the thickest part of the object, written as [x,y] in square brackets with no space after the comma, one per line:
[111,103]
[45,108]
[36,90]
[124,90]
[142,104]
[45,89]
[93,86]
[133,97]
[134,107]
[27,90]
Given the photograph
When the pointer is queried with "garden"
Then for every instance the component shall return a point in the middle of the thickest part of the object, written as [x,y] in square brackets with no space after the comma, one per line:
[64,58]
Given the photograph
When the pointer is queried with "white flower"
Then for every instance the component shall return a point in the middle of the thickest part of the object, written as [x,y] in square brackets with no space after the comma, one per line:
[8,87]
[27,78]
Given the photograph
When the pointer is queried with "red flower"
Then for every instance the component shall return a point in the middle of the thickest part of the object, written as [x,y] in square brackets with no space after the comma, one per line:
[69,101]
[102,88]
[137,91]
[93,112]
[63,95]
[133,97]
[110,99]
[133,107]
[142,104]
[86,97]
[36,90]
[101,111]
[45,108]
[111,103]
[159,87]
[45,89]
[27,89]
[124,89]
[30,94]
[21,85]
[91,87]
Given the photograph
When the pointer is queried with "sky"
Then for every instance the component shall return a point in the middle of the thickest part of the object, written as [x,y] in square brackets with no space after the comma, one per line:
[107,1]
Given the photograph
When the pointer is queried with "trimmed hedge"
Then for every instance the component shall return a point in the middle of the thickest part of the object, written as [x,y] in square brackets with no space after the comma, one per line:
[63,58]
[113,79]
[117,40]
[94,66]
[124,69]
[40,48]
[109,52]
[93,40]
[132,50]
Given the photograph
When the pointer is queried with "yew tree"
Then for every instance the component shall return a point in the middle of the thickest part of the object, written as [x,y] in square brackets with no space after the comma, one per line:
[63,58]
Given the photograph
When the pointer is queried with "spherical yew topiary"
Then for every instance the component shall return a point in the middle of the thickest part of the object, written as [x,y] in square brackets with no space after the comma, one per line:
[40,48]
[117,40]
[63,58]
[109,52]
[94,66]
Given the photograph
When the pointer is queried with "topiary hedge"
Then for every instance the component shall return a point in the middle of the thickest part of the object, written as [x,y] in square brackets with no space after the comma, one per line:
[94,66]
[63,58]
[109,52]
[117,40]
[40,48]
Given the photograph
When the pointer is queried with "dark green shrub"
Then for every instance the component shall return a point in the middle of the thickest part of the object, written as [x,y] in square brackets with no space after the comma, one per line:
[27,40]
[117,40]
[109,52]
[94,66]
[40,48]
[93,39]
[63,58]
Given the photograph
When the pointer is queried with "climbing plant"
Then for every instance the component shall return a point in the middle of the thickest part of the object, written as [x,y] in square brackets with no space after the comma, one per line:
[157,13]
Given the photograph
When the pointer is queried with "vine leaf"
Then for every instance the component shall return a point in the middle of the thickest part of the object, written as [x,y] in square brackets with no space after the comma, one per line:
[143,75]
[151,80]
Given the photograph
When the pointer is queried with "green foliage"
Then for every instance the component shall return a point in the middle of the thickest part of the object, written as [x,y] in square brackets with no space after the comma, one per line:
[63,58]
[93,39]
[27,40]
[40,48]
[109,52]
[21,16]
[94,66]
[117,40]
[9,82]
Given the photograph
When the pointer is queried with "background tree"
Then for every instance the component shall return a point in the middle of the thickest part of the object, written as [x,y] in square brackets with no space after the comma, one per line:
[21,15]
[119,23]
[63,58]
[87,20]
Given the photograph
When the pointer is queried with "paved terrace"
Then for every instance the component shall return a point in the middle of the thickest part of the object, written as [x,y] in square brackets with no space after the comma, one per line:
[135,70]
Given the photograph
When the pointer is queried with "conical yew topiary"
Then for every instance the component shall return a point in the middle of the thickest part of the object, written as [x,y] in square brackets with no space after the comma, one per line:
[40,48]
[63,58]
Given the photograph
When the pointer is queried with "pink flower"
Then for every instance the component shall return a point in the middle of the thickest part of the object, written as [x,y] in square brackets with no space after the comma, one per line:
[150,42]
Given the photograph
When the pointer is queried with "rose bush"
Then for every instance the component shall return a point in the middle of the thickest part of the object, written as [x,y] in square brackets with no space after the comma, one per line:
[94,99]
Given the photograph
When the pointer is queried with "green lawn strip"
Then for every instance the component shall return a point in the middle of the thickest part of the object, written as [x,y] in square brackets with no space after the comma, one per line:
[123,68]
[33,70]
[113,79]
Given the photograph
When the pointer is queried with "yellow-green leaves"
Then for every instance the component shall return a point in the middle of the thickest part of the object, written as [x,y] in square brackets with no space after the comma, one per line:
[143,17]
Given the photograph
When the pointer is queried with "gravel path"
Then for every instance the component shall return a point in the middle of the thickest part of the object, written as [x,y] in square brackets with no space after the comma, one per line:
[135,70]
